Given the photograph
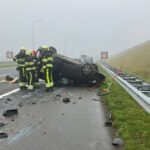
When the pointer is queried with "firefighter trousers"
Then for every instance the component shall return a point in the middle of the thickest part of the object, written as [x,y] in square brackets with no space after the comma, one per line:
[30,79]
[48,77]
[22,77]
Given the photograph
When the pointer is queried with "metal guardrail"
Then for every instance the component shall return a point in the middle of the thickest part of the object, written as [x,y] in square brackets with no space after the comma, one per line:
[141,98]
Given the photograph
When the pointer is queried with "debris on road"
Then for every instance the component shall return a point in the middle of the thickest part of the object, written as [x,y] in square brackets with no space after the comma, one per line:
[66,100]
[10,112]
[3,124]
[58,95]
[3,135]
[20,105]
[11,79]
[40,122]
[12,120]
[117,142]
[95,99]
[33,103]
[8,99]
[110,116]
[80,97]
[44,132]
[108,123]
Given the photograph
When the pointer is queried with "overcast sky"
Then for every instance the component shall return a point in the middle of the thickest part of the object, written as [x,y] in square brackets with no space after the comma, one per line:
[74,27]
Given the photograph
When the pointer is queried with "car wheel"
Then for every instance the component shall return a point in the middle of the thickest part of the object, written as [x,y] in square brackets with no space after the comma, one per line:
[87,70]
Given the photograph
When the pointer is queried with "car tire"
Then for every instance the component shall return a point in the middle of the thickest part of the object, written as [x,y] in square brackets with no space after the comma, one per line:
[87,70]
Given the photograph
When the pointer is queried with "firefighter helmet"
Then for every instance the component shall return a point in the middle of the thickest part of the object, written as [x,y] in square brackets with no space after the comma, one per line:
[45,47]
[23,50]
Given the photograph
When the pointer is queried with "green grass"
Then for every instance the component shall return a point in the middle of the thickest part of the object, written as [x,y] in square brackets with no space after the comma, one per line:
[129,118]
[7,64]
[134,61]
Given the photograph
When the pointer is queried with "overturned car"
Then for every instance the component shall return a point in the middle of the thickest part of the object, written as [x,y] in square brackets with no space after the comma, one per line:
[74,72]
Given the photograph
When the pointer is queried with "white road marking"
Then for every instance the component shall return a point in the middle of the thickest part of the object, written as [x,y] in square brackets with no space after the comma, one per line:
[11,92]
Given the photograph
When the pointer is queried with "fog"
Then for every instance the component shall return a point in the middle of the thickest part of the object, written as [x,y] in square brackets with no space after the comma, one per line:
[74,27]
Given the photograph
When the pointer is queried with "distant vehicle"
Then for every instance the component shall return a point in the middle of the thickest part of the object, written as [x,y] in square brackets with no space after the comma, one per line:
[74,71]
[86,59]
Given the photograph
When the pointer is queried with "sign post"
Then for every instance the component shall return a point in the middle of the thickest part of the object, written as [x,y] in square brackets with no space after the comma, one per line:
[9,54]
[104,55]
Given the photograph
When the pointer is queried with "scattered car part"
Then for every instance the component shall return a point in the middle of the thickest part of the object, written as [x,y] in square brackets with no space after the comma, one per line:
[117,142]
[10,112]
[9,78]
[66,100]
[96,99]
[16,80]
[58,95]
[3,124]
[3,135]
[108,123]
[8,99]
[20,105]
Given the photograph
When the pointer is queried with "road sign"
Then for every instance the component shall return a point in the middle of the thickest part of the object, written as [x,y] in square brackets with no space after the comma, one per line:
[104,55]
[9,54]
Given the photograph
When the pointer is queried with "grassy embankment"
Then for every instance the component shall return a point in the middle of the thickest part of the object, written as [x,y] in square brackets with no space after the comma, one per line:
[130,120]
[7,64]
[135,61]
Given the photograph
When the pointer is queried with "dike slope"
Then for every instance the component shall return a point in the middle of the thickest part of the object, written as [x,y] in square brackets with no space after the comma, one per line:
[135,61]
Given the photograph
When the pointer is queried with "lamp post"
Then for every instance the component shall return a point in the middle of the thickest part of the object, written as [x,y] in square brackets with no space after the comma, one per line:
[33,32]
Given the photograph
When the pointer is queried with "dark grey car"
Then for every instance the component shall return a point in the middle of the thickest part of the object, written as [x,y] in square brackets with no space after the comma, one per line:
[76,72]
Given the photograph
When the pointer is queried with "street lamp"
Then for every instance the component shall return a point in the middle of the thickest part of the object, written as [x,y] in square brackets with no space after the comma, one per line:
[33,33]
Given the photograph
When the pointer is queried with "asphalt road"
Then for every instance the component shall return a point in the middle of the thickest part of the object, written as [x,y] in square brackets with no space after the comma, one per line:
[9,70]
[44,122]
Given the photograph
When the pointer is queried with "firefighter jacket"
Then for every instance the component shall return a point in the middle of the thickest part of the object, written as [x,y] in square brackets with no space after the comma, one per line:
[30,62]
[20,60]
[46,59]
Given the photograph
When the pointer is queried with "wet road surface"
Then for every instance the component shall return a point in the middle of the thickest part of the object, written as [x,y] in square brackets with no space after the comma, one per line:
[46,123]
[9,70]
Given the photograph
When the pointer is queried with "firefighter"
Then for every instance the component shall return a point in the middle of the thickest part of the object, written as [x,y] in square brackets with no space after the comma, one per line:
[20,60]
[36,80]
[47,66]
[30,70]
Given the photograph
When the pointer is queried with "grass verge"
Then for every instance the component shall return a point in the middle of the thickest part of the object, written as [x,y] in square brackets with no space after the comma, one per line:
[129,118]
[7,64]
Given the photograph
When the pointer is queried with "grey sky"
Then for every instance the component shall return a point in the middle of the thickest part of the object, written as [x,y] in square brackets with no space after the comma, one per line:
[75,26]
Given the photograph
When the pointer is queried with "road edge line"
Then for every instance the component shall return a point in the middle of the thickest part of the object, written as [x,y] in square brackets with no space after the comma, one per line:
[8,93]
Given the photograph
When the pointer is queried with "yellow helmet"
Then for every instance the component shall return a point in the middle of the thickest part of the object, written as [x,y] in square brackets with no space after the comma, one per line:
[23,48]
[45,47]
[29,52]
